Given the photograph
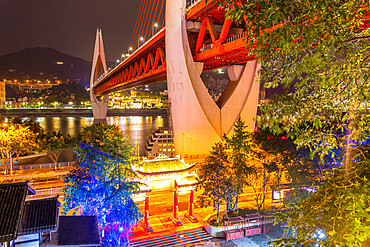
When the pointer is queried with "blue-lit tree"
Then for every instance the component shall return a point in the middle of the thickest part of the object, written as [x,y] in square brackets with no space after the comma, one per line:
[100,182]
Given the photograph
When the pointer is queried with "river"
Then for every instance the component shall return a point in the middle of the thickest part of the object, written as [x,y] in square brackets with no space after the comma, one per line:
[137,128]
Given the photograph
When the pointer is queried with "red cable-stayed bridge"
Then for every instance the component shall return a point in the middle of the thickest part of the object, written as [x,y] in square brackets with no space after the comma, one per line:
[214,40]
[196,38]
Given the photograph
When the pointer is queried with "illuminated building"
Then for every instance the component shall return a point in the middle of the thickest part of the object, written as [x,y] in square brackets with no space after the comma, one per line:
[160,142]
[166,174]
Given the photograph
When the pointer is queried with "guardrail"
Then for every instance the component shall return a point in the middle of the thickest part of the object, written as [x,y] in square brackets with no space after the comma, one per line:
[235,37]
[228,40]
[38,166]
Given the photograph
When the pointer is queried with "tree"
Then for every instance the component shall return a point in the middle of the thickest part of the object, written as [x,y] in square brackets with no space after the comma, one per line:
[264,173]
[239,144]
[337,214]
[321,50]
[100,182]
[15,140]
[296,167]
[54,143]
[215,177]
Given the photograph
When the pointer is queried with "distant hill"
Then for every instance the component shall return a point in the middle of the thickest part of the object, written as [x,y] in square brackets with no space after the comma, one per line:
[44,63]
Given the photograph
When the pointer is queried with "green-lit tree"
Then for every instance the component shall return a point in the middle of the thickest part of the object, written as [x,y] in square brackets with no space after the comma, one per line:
[215,178]
[319,50]
[54,143]
[15,139]
[240,143]
[100,182]
[338,213]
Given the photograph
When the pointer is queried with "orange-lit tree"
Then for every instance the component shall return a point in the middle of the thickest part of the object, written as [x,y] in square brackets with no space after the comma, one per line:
[54,143]
[216,179]
[15,139]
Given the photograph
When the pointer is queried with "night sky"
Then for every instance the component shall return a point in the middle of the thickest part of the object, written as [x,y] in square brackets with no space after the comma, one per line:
[67,25]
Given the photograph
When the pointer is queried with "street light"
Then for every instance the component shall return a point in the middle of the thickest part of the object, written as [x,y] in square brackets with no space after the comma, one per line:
[129,50]
[154,27]
[123,56]
[138,42]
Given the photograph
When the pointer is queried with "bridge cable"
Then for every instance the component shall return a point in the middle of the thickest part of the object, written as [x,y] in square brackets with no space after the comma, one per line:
[142,24]
[142,14]
[147,19]
[136,23]
[160,14]
[153,15]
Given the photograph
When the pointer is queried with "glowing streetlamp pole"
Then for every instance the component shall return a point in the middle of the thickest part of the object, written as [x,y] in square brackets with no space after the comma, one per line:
[155,26]
[138,42]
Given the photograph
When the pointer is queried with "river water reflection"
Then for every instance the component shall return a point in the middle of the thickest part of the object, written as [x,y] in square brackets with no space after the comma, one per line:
[137,128]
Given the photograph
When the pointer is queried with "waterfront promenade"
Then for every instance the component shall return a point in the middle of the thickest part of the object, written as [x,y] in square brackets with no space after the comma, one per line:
[82,112]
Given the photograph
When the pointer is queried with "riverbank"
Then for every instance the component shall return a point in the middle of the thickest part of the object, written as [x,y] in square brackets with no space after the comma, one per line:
[80,112]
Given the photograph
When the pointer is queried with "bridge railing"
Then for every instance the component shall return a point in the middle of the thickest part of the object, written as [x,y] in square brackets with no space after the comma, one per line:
[228,40]
[191,3]
[109,70]
[235,37]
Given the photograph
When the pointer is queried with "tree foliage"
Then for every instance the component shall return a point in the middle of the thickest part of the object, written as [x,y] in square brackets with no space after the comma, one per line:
[15,139]
[54,143]
[295,167]
[339,208]
[319,48]
[239,144]
[215,178]
[100,182]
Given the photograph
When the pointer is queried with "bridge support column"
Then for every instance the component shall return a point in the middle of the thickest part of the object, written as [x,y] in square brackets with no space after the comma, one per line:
[99,66]
[198,121]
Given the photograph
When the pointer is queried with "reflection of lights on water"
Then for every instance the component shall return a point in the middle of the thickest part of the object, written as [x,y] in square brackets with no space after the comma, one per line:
[136,119]
[71,126]
[56,124]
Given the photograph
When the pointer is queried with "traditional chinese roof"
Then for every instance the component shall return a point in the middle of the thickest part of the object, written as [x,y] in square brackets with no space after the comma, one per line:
[12,197]
[162,165]
[39,216]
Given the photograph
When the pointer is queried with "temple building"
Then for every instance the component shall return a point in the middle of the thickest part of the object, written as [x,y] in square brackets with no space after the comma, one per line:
[163,173]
